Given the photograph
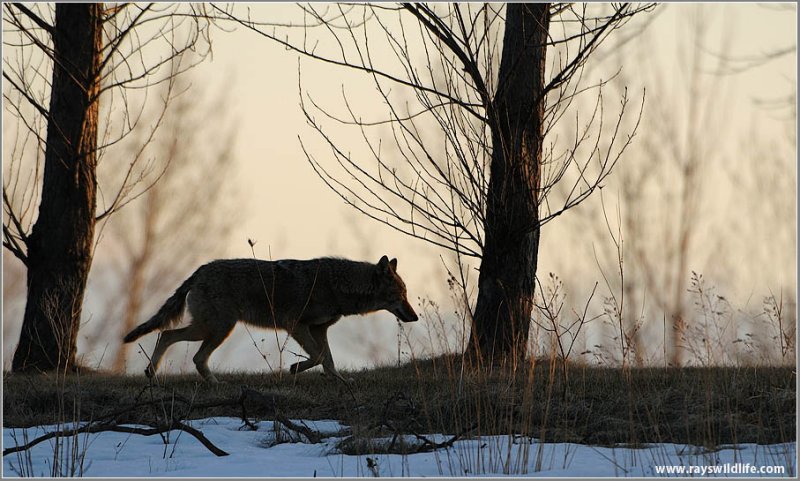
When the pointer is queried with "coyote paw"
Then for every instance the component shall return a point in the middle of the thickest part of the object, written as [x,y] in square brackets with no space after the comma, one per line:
[338,377]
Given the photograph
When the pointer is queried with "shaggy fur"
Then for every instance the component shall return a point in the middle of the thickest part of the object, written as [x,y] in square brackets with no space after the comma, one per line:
[303,297]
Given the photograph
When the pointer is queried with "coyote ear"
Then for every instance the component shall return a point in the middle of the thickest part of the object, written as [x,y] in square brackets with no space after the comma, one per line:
[393,263]
[383,263]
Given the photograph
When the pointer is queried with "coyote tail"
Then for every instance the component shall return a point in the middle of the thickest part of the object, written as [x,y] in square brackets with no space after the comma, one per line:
[169,313]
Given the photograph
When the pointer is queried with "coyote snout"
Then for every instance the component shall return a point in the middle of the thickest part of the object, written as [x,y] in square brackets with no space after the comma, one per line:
[393,289]
[404,312]
[303,297]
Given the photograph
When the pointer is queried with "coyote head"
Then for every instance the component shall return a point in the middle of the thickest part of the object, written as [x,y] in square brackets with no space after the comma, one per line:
[391,290]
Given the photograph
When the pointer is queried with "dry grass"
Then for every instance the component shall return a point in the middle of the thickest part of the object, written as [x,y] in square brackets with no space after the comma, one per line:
[702,406]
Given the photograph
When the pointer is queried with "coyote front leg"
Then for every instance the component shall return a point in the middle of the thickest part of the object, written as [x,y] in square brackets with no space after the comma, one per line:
[302,335]
[314,340]
[320,335]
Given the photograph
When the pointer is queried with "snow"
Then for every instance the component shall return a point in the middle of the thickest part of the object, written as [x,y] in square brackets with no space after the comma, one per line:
[268,452]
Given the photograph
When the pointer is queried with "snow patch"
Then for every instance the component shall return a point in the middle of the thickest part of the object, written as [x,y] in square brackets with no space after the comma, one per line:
[277,453]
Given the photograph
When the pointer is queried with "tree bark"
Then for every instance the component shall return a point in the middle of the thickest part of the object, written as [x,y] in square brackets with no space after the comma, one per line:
[508,268]
[60,244]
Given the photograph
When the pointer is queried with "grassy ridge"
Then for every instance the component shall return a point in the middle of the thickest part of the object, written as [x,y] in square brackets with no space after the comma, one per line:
[703,406]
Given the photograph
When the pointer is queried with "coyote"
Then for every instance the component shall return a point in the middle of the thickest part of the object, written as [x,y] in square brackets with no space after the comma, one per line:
[303,297]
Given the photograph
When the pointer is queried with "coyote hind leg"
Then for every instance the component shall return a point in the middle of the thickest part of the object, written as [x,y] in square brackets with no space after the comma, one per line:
[168,338]
[210,343]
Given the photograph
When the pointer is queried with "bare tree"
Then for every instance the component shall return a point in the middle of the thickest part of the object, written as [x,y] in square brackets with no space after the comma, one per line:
[60,62]
[679,148]
[486,90]
[662,197]
[154,232]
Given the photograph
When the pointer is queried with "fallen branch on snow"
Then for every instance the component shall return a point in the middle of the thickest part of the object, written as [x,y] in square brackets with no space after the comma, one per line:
[99,428]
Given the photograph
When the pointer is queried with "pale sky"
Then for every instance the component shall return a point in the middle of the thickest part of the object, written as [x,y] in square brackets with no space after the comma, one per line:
[288,210]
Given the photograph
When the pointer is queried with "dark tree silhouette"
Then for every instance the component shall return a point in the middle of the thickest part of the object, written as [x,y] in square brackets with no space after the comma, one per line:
[78,56]
[60,244]
[505,289]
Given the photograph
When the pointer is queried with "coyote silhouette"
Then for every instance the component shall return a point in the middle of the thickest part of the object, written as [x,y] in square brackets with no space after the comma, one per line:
[303,297]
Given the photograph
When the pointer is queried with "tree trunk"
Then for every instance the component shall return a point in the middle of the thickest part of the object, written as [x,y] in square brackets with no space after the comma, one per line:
[508,267]
[60,244]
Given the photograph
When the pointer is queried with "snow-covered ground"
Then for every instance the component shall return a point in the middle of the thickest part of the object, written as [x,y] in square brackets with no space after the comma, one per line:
[256,453]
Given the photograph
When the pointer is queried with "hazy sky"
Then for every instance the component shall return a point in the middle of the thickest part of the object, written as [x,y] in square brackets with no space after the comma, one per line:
[288,210]
[292,214]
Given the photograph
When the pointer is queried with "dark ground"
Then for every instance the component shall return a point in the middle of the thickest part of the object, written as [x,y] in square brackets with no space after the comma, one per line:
[703,406]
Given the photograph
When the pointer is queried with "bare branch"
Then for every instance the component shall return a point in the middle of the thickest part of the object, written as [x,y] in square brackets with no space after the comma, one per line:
[35,18]
[343,63]
[436,189]
[101,428]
